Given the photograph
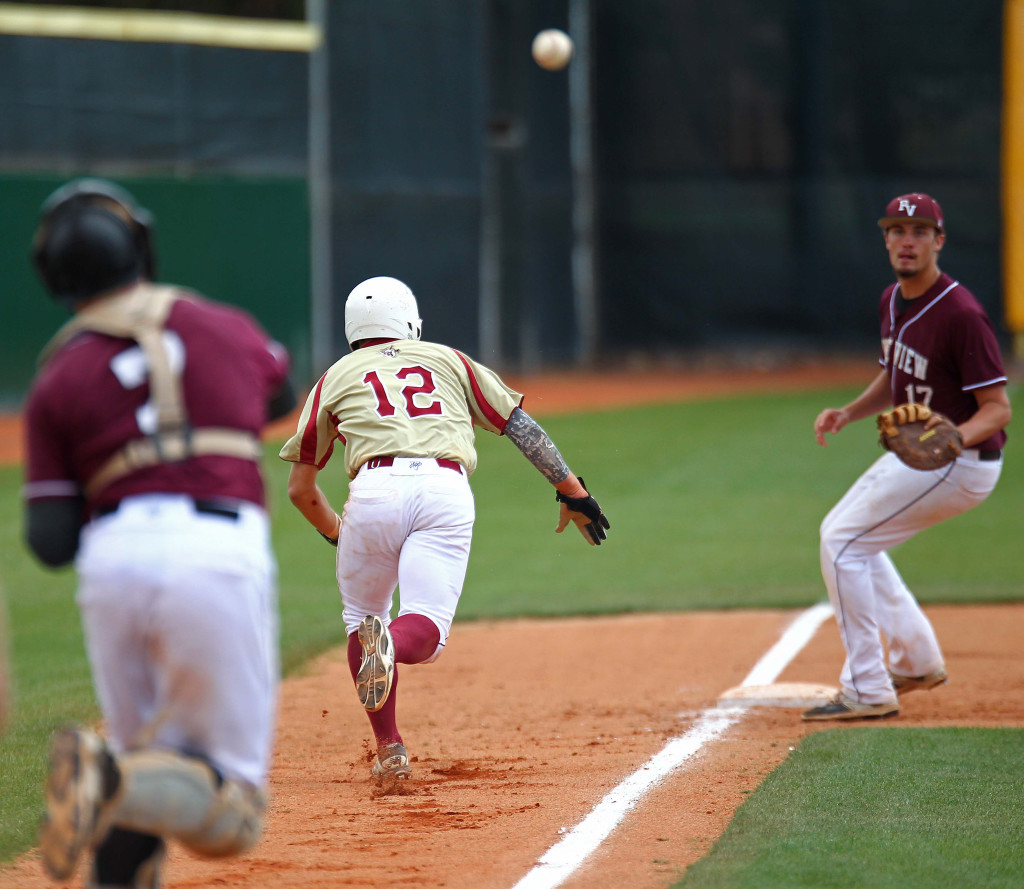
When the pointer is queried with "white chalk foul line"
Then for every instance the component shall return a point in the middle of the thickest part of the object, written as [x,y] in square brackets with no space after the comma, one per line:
[555,865]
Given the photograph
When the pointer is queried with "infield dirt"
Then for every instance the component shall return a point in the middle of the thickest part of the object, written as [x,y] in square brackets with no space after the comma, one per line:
[523,726]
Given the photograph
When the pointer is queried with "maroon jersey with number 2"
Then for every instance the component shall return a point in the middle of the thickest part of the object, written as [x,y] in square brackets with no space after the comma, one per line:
[940,348]
[93,396]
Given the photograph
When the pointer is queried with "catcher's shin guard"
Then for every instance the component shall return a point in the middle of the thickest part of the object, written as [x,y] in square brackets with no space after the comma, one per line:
[184,798]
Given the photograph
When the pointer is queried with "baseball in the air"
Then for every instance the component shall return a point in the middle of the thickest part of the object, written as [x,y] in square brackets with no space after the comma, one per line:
[552,49]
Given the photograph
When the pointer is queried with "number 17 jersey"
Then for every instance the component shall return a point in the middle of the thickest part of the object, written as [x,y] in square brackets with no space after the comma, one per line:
[938,349]
[402,398]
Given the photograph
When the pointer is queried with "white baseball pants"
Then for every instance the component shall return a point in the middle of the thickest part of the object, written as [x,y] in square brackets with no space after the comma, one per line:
[180,617]
[409,526]
[886,506]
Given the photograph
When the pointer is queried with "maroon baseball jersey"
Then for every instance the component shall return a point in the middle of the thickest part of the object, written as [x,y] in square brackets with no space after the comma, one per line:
[92,396]
[938,349]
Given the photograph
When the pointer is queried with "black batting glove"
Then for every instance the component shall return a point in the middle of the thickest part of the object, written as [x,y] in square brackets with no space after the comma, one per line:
[585,513]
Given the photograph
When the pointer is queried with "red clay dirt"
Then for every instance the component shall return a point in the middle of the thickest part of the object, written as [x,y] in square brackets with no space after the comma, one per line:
[524,726]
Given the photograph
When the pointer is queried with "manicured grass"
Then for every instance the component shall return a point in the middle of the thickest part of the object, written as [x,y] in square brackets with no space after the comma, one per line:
[712,505]
[880,809]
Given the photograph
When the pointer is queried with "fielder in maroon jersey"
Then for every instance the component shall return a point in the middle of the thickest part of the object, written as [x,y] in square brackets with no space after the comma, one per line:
[143,467]
[939,348]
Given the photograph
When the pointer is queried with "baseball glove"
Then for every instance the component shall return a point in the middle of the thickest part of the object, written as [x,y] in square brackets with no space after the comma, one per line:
[920,437]
[585,513]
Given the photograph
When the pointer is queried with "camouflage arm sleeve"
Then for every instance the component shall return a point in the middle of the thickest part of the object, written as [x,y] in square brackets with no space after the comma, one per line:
[522,430]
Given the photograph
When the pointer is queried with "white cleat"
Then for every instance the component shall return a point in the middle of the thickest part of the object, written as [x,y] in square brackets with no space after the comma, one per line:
[377,669]
[392,762]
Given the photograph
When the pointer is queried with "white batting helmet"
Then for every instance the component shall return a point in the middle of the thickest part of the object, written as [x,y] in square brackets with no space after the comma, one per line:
[381,307]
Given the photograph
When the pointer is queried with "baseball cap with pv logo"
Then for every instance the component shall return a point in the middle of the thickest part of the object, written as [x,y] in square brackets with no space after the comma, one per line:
[916,207]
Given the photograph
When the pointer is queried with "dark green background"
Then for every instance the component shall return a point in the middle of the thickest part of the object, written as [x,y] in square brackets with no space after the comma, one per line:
[243,241]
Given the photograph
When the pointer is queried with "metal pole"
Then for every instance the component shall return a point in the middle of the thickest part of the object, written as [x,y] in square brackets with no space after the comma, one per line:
[502,148]
[320,196]
[489,330]
[584,207]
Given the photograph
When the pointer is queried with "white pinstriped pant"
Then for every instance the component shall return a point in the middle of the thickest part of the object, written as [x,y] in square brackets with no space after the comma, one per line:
[886,506]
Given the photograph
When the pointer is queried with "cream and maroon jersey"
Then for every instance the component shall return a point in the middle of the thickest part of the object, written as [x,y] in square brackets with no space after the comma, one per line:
[401,398]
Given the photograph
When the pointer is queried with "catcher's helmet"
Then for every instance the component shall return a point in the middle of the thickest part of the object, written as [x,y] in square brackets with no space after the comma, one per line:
[92,237]
[381,307]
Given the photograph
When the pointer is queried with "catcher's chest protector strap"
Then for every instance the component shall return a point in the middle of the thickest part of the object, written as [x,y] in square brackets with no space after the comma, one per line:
[140,314]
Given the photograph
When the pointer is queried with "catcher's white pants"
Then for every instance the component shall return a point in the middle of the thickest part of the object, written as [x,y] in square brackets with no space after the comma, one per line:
[179,610]
[408,525]
[886,506]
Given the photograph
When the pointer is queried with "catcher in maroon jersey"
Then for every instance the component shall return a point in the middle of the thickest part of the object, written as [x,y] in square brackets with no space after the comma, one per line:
[143,467]
[939,349]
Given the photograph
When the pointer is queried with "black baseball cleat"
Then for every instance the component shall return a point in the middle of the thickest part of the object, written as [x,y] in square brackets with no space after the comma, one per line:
[842,707]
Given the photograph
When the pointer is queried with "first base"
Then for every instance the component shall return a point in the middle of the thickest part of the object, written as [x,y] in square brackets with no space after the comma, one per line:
[780,694]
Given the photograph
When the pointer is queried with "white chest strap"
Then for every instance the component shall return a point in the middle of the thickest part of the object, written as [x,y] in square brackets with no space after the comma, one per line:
[140,314]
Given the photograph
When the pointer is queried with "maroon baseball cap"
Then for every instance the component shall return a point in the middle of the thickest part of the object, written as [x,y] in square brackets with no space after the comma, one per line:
[916,207]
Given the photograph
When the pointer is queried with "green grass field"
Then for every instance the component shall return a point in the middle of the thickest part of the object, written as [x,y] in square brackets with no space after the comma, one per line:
[880,808]
[713,505]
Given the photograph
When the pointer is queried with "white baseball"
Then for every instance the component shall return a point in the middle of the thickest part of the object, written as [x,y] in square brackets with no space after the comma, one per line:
[552,49]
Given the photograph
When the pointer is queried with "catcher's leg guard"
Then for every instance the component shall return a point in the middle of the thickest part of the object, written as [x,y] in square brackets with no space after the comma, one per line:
[127,860]
[170,795]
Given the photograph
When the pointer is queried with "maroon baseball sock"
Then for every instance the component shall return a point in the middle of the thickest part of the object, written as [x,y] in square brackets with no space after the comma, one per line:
[416,637]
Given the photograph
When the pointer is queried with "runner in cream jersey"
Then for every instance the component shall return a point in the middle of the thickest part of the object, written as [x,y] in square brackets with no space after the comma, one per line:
[406,398]
[405,412]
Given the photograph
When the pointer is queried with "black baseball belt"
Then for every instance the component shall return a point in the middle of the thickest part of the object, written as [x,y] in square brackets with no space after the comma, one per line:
[206,507]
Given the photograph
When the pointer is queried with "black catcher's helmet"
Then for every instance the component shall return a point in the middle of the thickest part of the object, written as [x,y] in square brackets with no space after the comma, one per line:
[92,237]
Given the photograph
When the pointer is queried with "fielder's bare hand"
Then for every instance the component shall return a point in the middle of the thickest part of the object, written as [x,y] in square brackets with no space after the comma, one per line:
[830,420]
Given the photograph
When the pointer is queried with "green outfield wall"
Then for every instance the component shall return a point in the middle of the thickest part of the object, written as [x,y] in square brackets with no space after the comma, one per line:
[243,241]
